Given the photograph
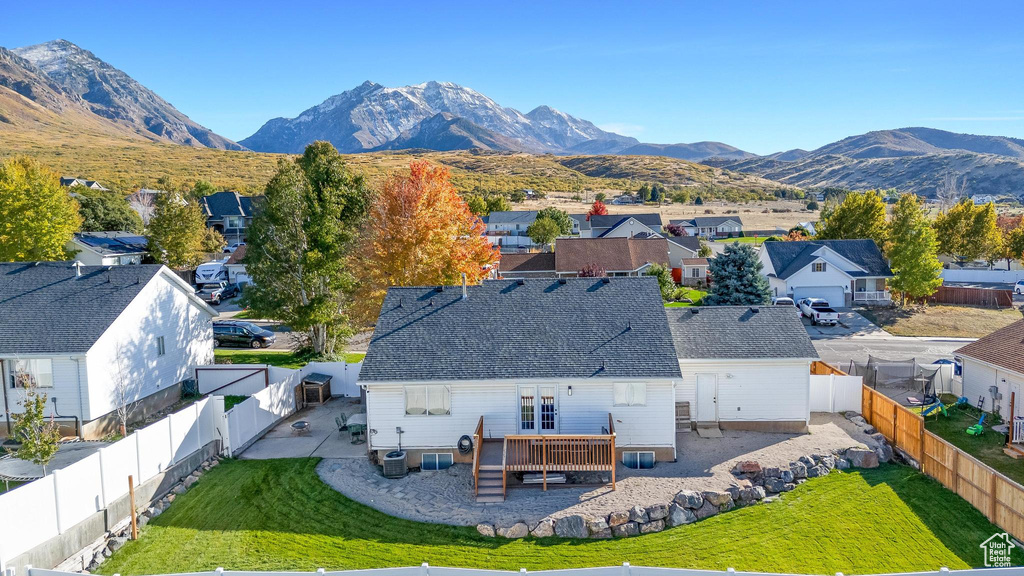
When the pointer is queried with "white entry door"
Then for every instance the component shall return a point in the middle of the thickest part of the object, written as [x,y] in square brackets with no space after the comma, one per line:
[538,409]
[707,398]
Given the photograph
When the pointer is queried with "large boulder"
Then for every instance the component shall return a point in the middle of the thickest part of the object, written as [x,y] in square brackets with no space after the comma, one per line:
[638,514]
[862,458]
[799,470]
[727,505]
[751,494]
[657,512]
[706,511]
[842,463]
[748,467]
[828,461]
[627,529]
[689,499]
[772,472]
[786,475]
[817,471]
[678,515]
[515,531]
[807,461]
[774,485]
[598,528]
[485,530]
[653,526]
[544,529]
[715,497]
[884,453]
[574,526]
[618,518]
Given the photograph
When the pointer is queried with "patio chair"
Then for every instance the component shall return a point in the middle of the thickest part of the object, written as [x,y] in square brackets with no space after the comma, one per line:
[342,422]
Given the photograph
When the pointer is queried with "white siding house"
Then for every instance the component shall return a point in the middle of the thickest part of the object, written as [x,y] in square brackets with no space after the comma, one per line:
[840,271]
[996,363]
[744,367]
[440,359]
[108,248]
[81,332]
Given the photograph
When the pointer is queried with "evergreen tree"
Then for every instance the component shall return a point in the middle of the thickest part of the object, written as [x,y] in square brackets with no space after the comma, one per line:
[969,232]
[912,251]
[859,215]
[299,242]
[645,192]
[37,215]
[736,278]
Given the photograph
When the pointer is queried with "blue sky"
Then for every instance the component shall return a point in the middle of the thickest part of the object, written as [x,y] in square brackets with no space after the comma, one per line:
[763,76]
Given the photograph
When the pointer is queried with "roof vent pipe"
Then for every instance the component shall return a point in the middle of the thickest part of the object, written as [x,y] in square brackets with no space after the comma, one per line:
[78,268]
[465,293]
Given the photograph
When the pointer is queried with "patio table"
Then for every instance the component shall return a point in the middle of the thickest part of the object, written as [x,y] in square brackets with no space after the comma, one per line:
[357,427]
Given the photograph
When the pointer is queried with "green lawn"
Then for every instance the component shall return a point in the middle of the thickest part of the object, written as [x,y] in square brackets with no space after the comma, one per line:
[988,447]
[231,400]
[743,240]
[282,358]
[682,292]
[278,515]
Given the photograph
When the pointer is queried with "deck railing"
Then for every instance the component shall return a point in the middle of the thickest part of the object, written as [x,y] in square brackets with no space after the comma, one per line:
[478,448]
[560,453]
[1017,435]
[872,296]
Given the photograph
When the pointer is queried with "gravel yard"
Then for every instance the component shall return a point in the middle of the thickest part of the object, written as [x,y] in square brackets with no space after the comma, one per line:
[703,464]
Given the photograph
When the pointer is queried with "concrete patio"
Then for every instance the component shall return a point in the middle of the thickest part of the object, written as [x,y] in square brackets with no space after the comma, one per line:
[323,439]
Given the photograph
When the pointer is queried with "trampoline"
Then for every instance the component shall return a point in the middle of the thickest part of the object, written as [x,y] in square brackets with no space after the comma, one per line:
[16,470]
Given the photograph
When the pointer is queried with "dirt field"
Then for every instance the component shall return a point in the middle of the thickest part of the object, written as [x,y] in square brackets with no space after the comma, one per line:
[754,214]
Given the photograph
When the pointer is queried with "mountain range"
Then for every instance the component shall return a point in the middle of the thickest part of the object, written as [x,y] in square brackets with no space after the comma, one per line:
[63,91]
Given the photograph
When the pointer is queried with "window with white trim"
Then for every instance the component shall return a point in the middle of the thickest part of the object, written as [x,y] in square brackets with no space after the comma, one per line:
[638,460]
[29,372]
[630,393]
[437,461]
[428,400]
[695,273]
[818,267]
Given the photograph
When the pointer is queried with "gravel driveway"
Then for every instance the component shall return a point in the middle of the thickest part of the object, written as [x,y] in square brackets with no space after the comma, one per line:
[703,464]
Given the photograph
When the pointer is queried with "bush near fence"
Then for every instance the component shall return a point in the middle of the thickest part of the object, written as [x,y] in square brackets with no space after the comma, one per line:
[56,503]
[1000,499]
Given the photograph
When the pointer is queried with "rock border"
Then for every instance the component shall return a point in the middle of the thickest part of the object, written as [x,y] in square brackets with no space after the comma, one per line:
[754,484]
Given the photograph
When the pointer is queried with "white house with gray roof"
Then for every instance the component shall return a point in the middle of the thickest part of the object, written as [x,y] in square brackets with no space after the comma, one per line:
[78,332]
[591,361]
[842,272]
[743,367]
[711,226]
[507,229]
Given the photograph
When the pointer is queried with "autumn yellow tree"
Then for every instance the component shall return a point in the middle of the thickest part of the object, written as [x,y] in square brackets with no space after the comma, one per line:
[419,232]
[37,215]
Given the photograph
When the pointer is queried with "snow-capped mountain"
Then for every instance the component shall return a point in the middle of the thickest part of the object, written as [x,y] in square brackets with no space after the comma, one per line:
[116,96]
[371,116]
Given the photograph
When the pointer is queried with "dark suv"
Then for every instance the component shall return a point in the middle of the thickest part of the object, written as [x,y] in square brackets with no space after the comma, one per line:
[234,333]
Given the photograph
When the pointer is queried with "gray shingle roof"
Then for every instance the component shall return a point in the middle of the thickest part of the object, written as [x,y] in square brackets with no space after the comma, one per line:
[736,332]
[688,242]
[538,328]
[652,220]
[45,309]
[512,217]
[111,243]
[790,257]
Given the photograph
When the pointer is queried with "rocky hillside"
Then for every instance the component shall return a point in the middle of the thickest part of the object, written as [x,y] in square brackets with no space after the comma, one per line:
[909,159]
[73,83]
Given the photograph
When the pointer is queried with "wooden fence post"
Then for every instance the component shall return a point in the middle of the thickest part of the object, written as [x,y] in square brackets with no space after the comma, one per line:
[956,470]
[131,500]
[992,496]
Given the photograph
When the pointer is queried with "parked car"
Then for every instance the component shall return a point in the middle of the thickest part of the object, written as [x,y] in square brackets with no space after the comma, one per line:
[782,301]
[235,333]
[230,248]
[819,311]
[1018,288]
[217,292]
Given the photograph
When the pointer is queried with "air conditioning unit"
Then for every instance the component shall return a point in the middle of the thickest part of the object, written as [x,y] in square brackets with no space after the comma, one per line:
[396,464]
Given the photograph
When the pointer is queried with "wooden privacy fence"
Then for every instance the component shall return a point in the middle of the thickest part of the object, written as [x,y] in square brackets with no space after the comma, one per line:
[1000,499]
[819,368]
[963,296]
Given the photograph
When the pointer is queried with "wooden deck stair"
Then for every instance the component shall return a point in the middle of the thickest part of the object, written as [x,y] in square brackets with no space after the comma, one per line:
[489,488]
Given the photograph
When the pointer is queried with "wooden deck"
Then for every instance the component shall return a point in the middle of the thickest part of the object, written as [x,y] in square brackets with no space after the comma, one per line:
[541,453]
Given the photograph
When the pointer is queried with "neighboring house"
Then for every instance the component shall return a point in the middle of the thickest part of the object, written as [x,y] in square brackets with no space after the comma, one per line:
[616,256]
[694,272]
[996,363]
[711,226]
[108,248]
[79,331]
[507,230]
[840,271]
[810,227]
[680,248]
[980,199]
[624,225]
[743,367]
[588,357]
[236,268]
[229,213]
[70,182]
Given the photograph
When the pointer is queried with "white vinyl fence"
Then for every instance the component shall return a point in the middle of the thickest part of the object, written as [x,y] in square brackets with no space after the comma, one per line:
[47,507]
[248,379]
[998,276]
[832,393]
[251,418]
[624,570]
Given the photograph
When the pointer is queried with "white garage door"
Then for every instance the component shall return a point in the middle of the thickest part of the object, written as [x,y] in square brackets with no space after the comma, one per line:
[834,294]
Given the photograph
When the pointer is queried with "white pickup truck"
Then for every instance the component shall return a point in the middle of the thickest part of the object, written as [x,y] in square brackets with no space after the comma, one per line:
[818,310]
